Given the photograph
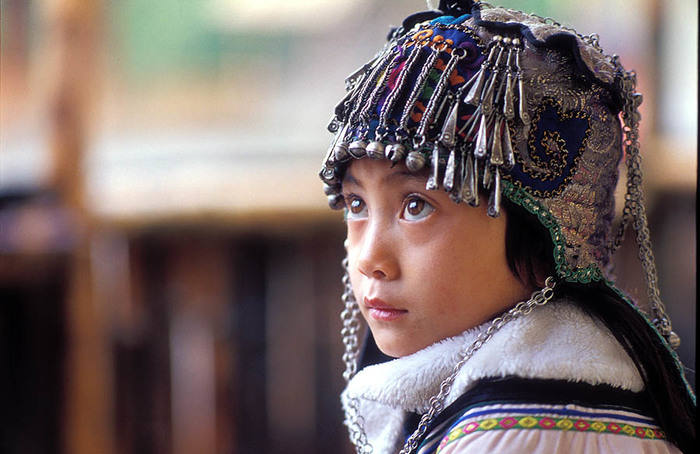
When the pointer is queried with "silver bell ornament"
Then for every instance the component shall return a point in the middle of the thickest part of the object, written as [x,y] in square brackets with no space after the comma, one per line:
[415,161]
[395,152]
[340,152]
[358,149]
[375,150]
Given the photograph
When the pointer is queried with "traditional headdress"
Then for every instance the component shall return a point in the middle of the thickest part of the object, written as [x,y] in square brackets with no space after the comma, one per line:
[496,100]
[500,102]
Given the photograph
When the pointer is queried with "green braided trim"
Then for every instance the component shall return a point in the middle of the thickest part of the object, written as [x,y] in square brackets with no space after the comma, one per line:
[564,270]
[580,275]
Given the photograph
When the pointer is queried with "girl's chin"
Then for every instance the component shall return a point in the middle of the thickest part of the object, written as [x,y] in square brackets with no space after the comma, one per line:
[396,347]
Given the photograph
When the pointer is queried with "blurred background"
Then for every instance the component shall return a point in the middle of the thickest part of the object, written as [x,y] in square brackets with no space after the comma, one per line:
[169,270]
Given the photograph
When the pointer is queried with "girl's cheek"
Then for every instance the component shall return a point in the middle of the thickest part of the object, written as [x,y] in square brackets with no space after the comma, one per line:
[354,275]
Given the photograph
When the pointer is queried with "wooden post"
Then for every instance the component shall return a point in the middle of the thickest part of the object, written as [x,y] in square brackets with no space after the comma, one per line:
[71,64]
[198,274]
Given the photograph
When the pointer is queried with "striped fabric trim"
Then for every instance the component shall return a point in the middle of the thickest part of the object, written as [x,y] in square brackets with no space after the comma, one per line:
[566,418]
[565,411]
[563,402]
[434,442]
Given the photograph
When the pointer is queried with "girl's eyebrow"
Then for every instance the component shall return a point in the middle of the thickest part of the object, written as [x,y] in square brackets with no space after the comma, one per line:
[400,175]
[407,175]
[350,179]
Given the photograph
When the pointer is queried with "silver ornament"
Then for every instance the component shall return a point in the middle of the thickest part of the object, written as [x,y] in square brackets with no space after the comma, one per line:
[358,149]
[340,152]
[375,150]
[336,201]
[415,161]
[395,152]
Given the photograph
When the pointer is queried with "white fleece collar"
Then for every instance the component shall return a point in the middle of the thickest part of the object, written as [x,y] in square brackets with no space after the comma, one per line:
[557,341]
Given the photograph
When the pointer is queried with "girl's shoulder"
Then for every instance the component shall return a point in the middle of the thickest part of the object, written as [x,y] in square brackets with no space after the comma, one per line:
[547,416]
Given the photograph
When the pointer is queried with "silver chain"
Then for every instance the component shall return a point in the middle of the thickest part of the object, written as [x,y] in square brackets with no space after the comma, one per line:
[417,87]
[350,333]
[356,429]
[351,326]
[634,208]
[457,55]
[538,298]
[630,116]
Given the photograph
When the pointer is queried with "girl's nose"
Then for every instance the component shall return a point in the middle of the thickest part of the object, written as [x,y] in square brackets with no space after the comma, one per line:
[377,258]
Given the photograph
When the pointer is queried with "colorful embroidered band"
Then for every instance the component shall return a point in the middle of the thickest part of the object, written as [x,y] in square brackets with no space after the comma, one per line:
[551,418]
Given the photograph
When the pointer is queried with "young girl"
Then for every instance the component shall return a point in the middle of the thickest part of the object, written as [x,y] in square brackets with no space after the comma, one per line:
[476,159]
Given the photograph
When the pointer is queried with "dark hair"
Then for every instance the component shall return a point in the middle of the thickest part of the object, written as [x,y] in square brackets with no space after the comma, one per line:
[529,248]
[529,252]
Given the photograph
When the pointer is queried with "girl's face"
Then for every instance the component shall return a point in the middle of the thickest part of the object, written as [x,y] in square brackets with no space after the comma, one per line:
[422,267]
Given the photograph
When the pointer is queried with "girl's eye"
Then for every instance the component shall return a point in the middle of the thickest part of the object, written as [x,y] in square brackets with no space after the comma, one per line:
[416,209]
[355,207]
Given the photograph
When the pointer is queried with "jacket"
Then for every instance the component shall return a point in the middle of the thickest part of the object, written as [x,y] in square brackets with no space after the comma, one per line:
[553,381]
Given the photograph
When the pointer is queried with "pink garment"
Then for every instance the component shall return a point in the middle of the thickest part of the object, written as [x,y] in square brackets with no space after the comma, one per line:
[533,441]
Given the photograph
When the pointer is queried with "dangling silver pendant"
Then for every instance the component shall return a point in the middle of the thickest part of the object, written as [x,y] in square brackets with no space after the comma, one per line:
[448,137]
[481,139]
[358,149]
[508,101]
[508,157]
[474,95]
[496,147]
[415,161]
[468,193]
[471,123]
[487,101]
[522,103]
[395,152]
[449,181]
[435,167]
[486,180]
[375,150]
[494,208]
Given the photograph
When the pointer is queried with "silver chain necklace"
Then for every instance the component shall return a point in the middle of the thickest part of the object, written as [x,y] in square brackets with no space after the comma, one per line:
[355,420]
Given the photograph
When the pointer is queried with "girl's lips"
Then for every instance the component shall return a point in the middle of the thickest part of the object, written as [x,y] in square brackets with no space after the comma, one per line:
[379,310]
